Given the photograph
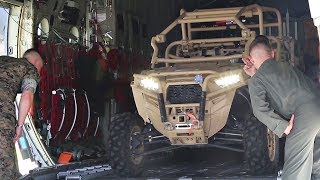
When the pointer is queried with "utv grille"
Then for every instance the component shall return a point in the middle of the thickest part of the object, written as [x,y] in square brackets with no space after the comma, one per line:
[183,94]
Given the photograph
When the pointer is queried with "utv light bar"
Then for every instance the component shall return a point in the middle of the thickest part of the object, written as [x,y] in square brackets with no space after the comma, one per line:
[150,84]
[228,80]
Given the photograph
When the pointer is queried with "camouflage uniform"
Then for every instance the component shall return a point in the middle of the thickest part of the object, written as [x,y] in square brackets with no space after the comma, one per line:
[15,75]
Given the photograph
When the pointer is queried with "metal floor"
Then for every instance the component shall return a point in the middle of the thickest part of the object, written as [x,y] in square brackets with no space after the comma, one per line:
[204,163]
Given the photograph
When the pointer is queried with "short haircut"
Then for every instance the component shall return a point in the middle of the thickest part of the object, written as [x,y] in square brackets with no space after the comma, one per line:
[32,50]
[260,40]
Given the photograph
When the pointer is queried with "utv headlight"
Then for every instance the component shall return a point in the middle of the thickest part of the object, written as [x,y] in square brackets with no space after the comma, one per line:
[150,84]
[228,80]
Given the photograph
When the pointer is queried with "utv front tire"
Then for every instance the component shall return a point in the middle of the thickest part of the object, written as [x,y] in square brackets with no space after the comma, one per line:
[261,147]
[124,142]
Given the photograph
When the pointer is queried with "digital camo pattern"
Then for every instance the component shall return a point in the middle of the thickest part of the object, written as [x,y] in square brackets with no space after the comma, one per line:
[8,168]
[12,73]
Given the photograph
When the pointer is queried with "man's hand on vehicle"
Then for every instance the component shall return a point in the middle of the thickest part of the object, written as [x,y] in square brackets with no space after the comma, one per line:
[288,129]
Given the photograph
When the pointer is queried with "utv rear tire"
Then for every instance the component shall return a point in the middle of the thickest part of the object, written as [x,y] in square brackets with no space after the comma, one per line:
[261,147]
[122,128]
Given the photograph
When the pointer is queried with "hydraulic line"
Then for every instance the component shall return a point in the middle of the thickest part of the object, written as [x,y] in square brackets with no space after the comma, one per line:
[88,108]
[98,122]
[63,97]
[75,113]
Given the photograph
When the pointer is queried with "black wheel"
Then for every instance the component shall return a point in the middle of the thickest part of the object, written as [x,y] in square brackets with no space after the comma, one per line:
[261,147]
[125,141]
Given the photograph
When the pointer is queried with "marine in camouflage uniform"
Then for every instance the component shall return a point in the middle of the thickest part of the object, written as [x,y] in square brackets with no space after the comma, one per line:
[15,75]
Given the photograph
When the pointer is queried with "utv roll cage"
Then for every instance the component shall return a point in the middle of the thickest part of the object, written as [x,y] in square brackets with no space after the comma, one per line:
[232,20]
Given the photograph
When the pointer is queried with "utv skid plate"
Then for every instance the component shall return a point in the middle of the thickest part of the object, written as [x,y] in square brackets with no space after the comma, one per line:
[227,139]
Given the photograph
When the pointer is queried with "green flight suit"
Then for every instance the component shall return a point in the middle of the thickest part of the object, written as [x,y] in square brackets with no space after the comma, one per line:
[279,87]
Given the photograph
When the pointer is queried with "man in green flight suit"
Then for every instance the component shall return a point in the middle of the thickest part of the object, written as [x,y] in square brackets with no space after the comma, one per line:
[15,75]
[278,87]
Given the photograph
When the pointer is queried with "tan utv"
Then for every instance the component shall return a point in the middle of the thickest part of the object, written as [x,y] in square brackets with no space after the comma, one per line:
[196,94]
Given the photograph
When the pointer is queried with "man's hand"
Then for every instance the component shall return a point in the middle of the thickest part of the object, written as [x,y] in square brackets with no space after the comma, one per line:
[288,129]
[18,133]
[247,61]
[24,107]
[249,69]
